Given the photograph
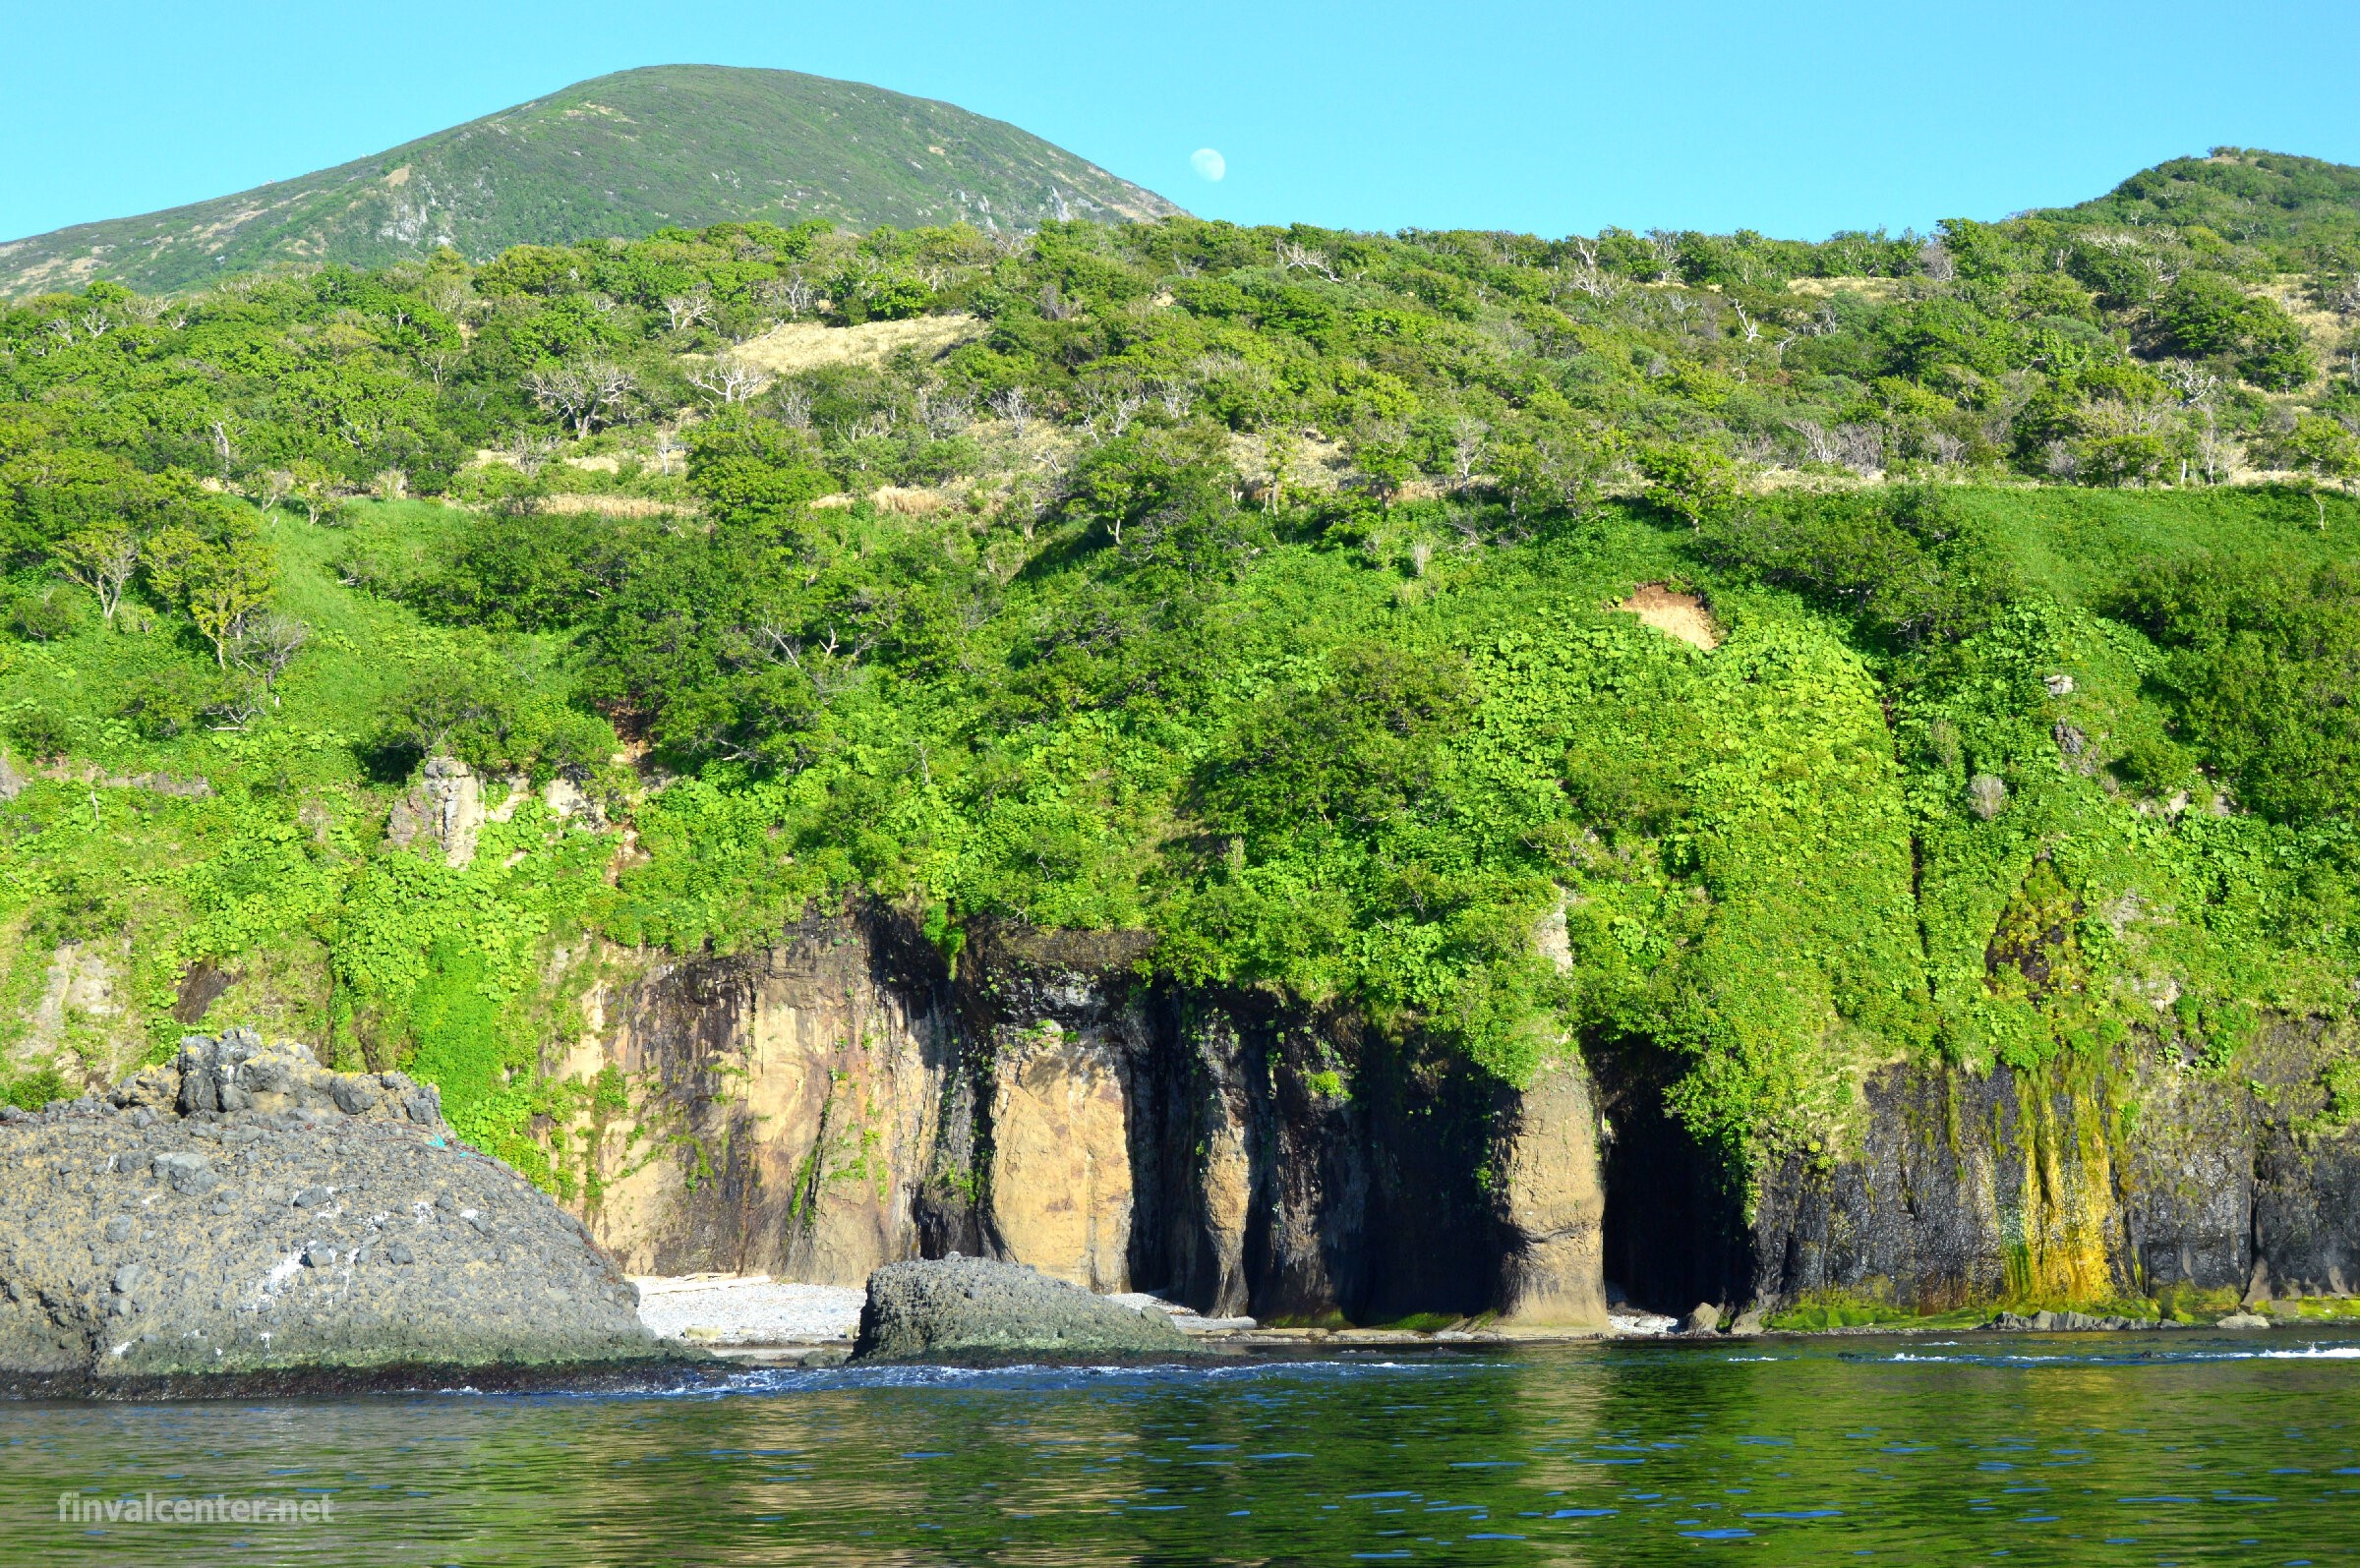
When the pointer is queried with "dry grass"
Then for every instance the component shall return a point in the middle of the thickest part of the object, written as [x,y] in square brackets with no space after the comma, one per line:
[1819,288]
[807,345]
[1680,615]
[614,505]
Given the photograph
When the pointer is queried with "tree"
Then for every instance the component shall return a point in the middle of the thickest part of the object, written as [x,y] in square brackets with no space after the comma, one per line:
[274,487]
[219,581]
[2326,448]
[585,393]
[1693,481]
[313,486]
[2204,315]
[436,705]
[267,644]
[731,378]
[101,559]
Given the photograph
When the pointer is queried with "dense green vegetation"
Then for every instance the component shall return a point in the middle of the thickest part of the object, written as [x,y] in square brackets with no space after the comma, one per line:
[1253,587]
[623,154]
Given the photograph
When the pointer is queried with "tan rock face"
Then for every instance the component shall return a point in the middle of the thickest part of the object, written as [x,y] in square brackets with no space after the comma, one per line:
[445,809]
[1061,1183]
[836,1103]
[1554,1205]
[784,1108]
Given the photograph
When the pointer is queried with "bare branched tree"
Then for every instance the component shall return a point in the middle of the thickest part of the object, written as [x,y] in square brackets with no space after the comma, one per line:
[688,310]
[1469,437]
[1011,404]
[793,400]
[1292,256]
[1110,407]
[234,706]
[530,451]
[273,488]
[2215,453]
[1177,394]
[1817,445]
[2192,383]
[1666,245]
[668,447]
[943,414]
[731,378]
[830,664]
[1589,277]
[1861,447]
[267,644]
[586,393]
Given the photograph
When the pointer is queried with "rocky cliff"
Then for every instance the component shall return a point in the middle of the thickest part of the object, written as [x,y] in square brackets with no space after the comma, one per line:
[2138,1176]
[842,1100]
[244,1210]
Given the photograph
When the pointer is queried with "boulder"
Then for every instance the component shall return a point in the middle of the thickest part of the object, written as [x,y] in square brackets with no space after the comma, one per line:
[969,1308]
[244,1210]
[1705,1318]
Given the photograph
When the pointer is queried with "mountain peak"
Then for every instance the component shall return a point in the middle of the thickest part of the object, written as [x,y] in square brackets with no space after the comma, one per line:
[618,156]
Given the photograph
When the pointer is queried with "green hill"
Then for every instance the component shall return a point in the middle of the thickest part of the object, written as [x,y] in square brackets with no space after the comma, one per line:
[619,155]
[2241,194]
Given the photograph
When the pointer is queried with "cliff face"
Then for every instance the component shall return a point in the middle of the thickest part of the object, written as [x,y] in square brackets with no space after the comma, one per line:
[840,1102]
[2139,1176]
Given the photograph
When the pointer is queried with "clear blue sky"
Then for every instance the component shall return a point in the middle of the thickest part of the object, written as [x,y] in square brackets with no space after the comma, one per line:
[1796,119]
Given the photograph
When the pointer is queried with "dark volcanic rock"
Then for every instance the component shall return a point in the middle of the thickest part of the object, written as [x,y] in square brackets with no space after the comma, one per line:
[967,1306]
[2138,1176]
[245,1210]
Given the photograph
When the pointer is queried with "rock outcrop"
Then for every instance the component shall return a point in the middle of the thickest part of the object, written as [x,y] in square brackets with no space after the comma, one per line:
[245,1210]
[963,1307]
[788,1108]
[843,1100]
[2135,1177]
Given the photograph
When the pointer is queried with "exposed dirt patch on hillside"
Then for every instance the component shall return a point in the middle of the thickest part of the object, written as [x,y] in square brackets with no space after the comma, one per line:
[1680,615]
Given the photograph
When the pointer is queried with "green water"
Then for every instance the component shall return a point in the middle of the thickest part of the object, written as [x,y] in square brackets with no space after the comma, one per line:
[2081,1449]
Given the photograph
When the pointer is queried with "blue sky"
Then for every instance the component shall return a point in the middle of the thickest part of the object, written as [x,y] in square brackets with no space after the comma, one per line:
[1795,119]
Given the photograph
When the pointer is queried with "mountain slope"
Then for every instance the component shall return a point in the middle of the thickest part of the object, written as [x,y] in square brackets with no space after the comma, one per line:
[2242,194]
[622,154]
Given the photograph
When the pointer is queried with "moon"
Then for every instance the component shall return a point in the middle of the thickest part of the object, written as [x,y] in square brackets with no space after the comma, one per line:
[1208,162]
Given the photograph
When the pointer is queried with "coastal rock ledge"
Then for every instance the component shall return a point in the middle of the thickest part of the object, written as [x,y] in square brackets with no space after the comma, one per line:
[243,1211]
[970,1307]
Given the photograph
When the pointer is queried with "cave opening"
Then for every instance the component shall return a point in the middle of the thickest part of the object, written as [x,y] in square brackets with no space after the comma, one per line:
[1674,1231]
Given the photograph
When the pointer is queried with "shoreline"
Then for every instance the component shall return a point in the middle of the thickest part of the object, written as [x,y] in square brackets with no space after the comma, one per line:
[686,1370]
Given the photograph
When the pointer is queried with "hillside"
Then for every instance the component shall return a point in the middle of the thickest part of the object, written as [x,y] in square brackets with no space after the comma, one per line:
[2241,195]
[619,156]
[1270,596]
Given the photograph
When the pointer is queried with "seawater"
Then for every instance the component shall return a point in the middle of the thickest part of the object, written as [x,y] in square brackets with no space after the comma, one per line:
[2135,1449]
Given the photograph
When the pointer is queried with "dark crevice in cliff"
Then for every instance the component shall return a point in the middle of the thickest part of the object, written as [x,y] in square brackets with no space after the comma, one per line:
[1675,1229]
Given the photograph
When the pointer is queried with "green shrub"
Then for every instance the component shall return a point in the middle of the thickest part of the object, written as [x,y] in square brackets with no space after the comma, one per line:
[39,734]
[46,615]
[31,1091]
